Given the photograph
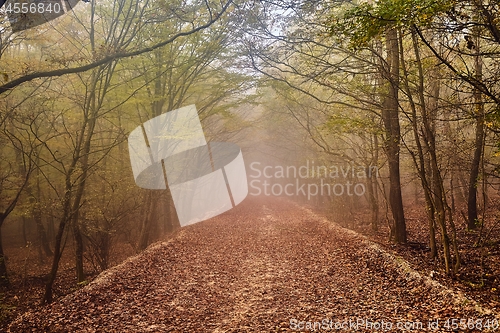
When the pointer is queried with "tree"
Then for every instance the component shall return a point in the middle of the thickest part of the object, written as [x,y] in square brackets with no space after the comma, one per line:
[117,54]
[14,178]
[121,31]
[435,23]
[390,117]
[327,63]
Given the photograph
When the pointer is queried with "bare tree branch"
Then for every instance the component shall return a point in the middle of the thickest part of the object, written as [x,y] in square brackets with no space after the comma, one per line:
[112,57]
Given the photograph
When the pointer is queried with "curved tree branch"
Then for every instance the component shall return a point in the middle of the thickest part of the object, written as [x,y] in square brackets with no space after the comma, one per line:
[479,85]
[112,57]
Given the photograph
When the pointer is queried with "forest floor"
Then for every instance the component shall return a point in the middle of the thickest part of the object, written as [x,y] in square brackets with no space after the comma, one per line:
[262,267]
[479,274]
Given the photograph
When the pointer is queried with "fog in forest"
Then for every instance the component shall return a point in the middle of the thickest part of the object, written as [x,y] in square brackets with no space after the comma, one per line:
[381,117]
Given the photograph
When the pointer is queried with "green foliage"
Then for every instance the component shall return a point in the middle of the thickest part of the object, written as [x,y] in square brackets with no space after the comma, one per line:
[363,22]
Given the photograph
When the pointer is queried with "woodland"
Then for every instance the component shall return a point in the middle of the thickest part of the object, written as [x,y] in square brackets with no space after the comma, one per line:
[409,87]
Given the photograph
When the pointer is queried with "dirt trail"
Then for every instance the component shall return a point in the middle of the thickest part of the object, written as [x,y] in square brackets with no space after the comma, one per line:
[262,267]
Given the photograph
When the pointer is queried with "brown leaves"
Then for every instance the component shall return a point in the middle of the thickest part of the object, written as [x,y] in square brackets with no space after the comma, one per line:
[253,275]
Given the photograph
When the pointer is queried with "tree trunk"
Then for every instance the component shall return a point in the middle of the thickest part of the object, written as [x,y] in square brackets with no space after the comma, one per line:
[72,207]
[4,279]
[390,116]
[144,236]
[42,235]
[37,216]
[371,183]
[422,165]
[472,217]
[47,297]
[80,274]
[437,188]
[23,230]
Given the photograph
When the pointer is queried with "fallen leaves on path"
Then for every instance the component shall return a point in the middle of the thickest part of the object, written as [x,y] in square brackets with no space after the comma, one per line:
[262,267]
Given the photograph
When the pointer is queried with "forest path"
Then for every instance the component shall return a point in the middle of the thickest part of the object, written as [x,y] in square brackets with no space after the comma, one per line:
[262,267]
